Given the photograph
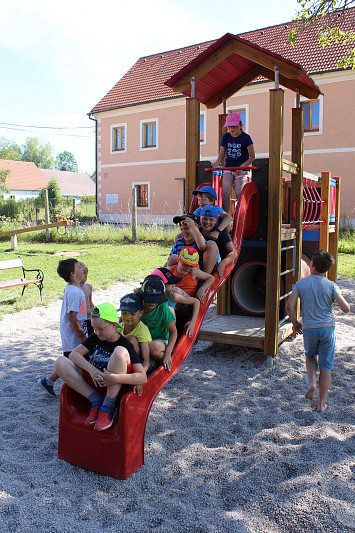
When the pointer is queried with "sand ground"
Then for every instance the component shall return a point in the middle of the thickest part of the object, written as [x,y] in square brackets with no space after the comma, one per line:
[231,445]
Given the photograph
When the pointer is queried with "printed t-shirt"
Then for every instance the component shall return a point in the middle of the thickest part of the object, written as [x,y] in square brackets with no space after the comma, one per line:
[317,294]
[188,282]
[101,351]
[157,321]
[236,148]
[73,300]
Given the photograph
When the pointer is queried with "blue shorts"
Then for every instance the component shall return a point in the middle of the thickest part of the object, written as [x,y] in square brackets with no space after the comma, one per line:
[320,341]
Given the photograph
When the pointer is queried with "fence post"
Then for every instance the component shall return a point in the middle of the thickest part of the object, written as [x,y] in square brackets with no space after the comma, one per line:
[46,214]
[134,214]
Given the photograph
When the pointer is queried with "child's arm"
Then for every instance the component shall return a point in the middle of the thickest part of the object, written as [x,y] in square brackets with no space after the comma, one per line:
[225,220]
[74,322]
[251,153]
[220,157]
[343,304]
[90,299]
[190,300]
[209,279]
[77,356]
[199,238]
[137,377]
[290,310]
[229,246]
[144,348]
[167,362]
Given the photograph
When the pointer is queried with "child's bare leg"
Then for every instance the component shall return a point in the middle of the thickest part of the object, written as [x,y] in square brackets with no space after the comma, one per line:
[311,366]
[239,183]
[226,190]
[53,377]
[117,364]
[173,259]
[324,384]
[157,350]
[210,257]
[72,376]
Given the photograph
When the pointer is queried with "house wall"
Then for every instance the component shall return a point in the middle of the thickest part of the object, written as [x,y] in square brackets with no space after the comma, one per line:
[163,168]
[20,195]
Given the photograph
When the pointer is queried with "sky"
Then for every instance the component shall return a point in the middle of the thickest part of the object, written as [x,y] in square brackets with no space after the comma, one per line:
[58,59]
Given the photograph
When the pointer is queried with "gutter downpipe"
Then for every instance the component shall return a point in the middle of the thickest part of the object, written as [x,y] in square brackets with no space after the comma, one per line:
[96,173]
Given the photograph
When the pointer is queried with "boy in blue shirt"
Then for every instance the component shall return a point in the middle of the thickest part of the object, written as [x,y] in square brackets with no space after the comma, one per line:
[317,293]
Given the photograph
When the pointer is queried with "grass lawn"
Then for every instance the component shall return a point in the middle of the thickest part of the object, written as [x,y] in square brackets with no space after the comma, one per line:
[107,264]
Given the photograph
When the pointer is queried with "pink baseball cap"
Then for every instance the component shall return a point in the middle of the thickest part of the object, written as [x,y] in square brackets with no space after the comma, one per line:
[233,119]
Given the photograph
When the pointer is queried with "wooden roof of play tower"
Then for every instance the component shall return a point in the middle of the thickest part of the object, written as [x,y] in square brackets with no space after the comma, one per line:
[230,63]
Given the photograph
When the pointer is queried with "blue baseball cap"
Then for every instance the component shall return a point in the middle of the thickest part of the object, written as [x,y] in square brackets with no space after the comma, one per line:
[131,303]
[210,211]
[206,188]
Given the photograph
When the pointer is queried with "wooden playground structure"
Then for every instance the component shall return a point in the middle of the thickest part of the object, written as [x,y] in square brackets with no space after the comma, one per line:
[227,66]
[272,214]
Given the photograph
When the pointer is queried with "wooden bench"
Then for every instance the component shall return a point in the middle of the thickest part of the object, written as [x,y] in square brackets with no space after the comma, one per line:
[17,263]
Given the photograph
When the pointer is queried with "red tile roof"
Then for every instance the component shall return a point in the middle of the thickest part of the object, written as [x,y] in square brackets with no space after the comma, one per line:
[71,183]
[144,82]
[23,176]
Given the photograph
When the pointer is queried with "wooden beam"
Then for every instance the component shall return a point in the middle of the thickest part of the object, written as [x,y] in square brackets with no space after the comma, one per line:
[292,84]
[192,147]
[269,62]
[35,228]
[334,235]
[234,87]
[324,214]
[273,268]
[289,166]
[296,200]
[203,68]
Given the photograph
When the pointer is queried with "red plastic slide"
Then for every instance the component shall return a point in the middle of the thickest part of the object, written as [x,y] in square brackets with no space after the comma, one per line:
[119,451]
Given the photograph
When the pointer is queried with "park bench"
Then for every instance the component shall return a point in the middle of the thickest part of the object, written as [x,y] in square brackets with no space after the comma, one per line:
[23,281]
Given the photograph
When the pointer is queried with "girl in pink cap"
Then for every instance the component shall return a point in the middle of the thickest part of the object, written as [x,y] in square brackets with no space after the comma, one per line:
[239,149]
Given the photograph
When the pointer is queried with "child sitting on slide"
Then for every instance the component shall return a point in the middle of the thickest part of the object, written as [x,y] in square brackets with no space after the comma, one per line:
[179,301]
[111,362]
[187,268]
[160,321]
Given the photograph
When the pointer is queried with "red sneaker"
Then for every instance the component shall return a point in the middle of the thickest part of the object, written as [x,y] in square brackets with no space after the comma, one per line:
[104,420]
[91,419]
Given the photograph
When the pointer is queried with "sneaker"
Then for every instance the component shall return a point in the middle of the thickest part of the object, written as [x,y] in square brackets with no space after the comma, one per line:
[104,420]
[46,386]
[91,419]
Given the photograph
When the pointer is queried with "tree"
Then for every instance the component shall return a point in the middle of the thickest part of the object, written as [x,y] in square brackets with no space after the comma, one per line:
[40,155]
[54,196]
[3,175]
[329,32]
[66,161]
[9,150]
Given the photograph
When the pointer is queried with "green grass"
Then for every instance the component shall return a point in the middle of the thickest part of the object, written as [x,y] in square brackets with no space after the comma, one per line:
[346,265]
[347,241]
[107,265]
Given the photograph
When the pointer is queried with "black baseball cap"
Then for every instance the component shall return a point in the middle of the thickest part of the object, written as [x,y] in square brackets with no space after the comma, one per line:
[153,290]
[181,218]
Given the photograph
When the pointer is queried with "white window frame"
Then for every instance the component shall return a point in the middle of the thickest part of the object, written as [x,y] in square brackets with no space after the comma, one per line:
[204,113]
[233,108]
[145,121]
[124,125]
[320,131]
[135,183]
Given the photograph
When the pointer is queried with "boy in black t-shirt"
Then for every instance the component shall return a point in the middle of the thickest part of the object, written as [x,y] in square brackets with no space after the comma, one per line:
[111,362]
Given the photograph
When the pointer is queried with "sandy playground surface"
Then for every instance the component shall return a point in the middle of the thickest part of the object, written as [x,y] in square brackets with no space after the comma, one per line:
[231,446]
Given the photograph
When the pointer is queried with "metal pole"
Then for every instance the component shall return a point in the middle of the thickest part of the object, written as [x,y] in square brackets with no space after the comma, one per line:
[46,214]
[224,105]
[192,82]
[134,214]
[277,84]
[298,100]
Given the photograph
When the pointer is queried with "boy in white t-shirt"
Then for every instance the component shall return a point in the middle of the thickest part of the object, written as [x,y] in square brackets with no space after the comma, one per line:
[73,315]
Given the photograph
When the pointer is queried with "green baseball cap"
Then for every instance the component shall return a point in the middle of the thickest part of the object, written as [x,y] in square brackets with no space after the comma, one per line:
[106,311]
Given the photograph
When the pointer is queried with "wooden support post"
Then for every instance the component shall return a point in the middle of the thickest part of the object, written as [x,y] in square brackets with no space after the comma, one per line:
[46,214]
[324,213]
[134,214]
[192,147]
[296,200]
[334,237]
[224,293]
[273,268]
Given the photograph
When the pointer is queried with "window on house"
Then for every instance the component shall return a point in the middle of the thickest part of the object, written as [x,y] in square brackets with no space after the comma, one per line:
[311,115]
[243,114]
[149,134]
[118,138]
[202,128]
[142,195]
